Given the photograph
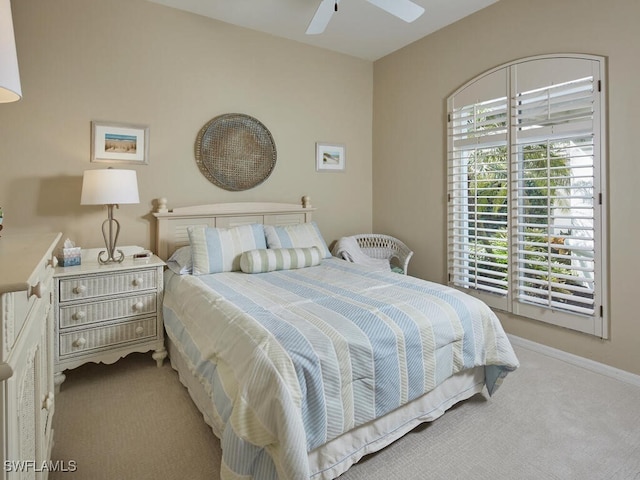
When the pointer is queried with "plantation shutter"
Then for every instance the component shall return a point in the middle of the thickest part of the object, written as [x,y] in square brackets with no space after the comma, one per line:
[526,225]
[555,200]
[478,190]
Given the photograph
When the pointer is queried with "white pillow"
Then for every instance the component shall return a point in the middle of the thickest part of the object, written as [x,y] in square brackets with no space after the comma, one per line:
[215,250]
[301,235]
[268,260]
[180,262]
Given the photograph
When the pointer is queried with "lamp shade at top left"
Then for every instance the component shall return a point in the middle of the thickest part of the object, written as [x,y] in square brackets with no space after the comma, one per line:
[10,89]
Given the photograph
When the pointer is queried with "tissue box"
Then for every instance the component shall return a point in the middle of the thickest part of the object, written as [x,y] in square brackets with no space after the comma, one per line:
[70,256]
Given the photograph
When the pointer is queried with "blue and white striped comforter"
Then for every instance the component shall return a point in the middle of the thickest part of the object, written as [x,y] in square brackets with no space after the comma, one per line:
[293,359]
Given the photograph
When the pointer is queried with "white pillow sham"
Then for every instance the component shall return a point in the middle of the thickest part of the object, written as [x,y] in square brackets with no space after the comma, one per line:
[180,262]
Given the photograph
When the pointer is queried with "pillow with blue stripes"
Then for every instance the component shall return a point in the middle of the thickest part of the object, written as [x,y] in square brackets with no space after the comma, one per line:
[301,235]
[271,259]
[215,250]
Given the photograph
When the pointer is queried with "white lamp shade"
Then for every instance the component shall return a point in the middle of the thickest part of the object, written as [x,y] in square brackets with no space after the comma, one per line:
[10,89]
[109,187]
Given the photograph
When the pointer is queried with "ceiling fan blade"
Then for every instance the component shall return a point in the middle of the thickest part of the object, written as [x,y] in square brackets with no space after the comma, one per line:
[404,9]
[322,16]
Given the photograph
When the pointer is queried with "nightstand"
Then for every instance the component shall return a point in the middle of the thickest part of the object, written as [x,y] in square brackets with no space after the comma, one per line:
[104,312]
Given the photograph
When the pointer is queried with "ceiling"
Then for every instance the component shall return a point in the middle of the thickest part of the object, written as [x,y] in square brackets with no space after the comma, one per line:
[359,28]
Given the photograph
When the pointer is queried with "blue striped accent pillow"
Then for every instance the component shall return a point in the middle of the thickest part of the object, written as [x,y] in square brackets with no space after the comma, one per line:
[270,259]
[301,235]
[216,250]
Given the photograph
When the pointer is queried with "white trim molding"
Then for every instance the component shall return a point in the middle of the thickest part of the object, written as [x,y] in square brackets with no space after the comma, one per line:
[578,361]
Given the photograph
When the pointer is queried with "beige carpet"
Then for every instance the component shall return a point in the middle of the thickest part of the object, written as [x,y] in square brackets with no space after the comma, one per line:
[549,420]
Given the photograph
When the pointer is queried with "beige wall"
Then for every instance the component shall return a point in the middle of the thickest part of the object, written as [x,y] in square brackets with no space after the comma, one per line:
[138,62]
[410,91]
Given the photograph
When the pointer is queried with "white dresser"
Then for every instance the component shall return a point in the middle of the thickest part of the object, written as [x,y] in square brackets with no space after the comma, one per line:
[26,354]
[104,312]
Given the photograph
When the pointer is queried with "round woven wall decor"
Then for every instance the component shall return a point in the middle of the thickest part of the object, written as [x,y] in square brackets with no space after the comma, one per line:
[235,151]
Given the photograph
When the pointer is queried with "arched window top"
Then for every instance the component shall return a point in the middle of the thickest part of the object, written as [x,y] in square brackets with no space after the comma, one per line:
[555,68]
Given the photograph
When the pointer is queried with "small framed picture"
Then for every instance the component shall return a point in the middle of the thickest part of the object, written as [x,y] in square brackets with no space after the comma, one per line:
[330,157]
[119,143]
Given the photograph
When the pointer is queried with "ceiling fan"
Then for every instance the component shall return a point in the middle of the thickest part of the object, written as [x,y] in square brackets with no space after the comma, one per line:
[403,9]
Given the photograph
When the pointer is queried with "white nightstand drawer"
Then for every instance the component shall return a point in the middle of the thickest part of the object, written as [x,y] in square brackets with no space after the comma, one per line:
[124,307]
[102,285]
[84,340]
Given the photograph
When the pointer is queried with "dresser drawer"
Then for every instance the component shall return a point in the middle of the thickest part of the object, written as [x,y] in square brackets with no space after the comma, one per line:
[84,340]
[124,307]
[18,308]
[102,285]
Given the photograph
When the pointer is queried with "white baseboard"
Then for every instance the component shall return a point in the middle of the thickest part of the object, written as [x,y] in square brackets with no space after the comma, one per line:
[576,360]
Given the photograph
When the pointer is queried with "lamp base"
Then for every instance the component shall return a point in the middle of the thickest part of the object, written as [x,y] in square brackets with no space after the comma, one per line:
[110,232]
[110,257]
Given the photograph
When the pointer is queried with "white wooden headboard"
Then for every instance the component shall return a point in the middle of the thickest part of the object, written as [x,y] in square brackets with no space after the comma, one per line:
[171,232]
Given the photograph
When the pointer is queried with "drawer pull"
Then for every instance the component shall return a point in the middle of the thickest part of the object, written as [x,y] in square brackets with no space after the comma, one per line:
[138,281]
[47,403]
[79,315]
[80,289]
[138,306]
[79,342]
[139,331]
[37,290]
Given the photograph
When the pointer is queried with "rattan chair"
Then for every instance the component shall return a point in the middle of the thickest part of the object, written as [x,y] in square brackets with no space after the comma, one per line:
[385,247]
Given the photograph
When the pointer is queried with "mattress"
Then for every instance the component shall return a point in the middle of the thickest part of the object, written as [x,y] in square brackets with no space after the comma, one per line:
[296,369]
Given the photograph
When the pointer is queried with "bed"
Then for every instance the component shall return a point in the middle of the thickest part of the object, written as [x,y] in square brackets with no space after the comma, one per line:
[303,363]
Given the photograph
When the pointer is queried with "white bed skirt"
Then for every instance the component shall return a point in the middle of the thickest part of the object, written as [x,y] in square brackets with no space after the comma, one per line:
[335,457]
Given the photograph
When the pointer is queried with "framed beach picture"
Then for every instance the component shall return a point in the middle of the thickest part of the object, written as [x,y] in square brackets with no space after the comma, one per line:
[119,143]
[330,157]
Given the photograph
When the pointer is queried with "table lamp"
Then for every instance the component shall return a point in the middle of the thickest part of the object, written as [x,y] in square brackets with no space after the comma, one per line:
[112,188]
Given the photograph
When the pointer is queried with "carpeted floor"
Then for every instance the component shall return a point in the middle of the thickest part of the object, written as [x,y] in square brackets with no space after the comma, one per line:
[549,420]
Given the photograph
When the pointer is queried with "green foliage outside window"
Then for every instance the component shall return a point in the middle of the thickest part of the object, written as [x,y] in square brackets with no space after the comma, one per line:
[546,173]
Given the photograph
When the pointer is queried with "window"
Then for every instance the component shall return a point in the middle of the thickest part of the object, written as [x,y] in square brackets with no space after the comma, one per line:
[526,177]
